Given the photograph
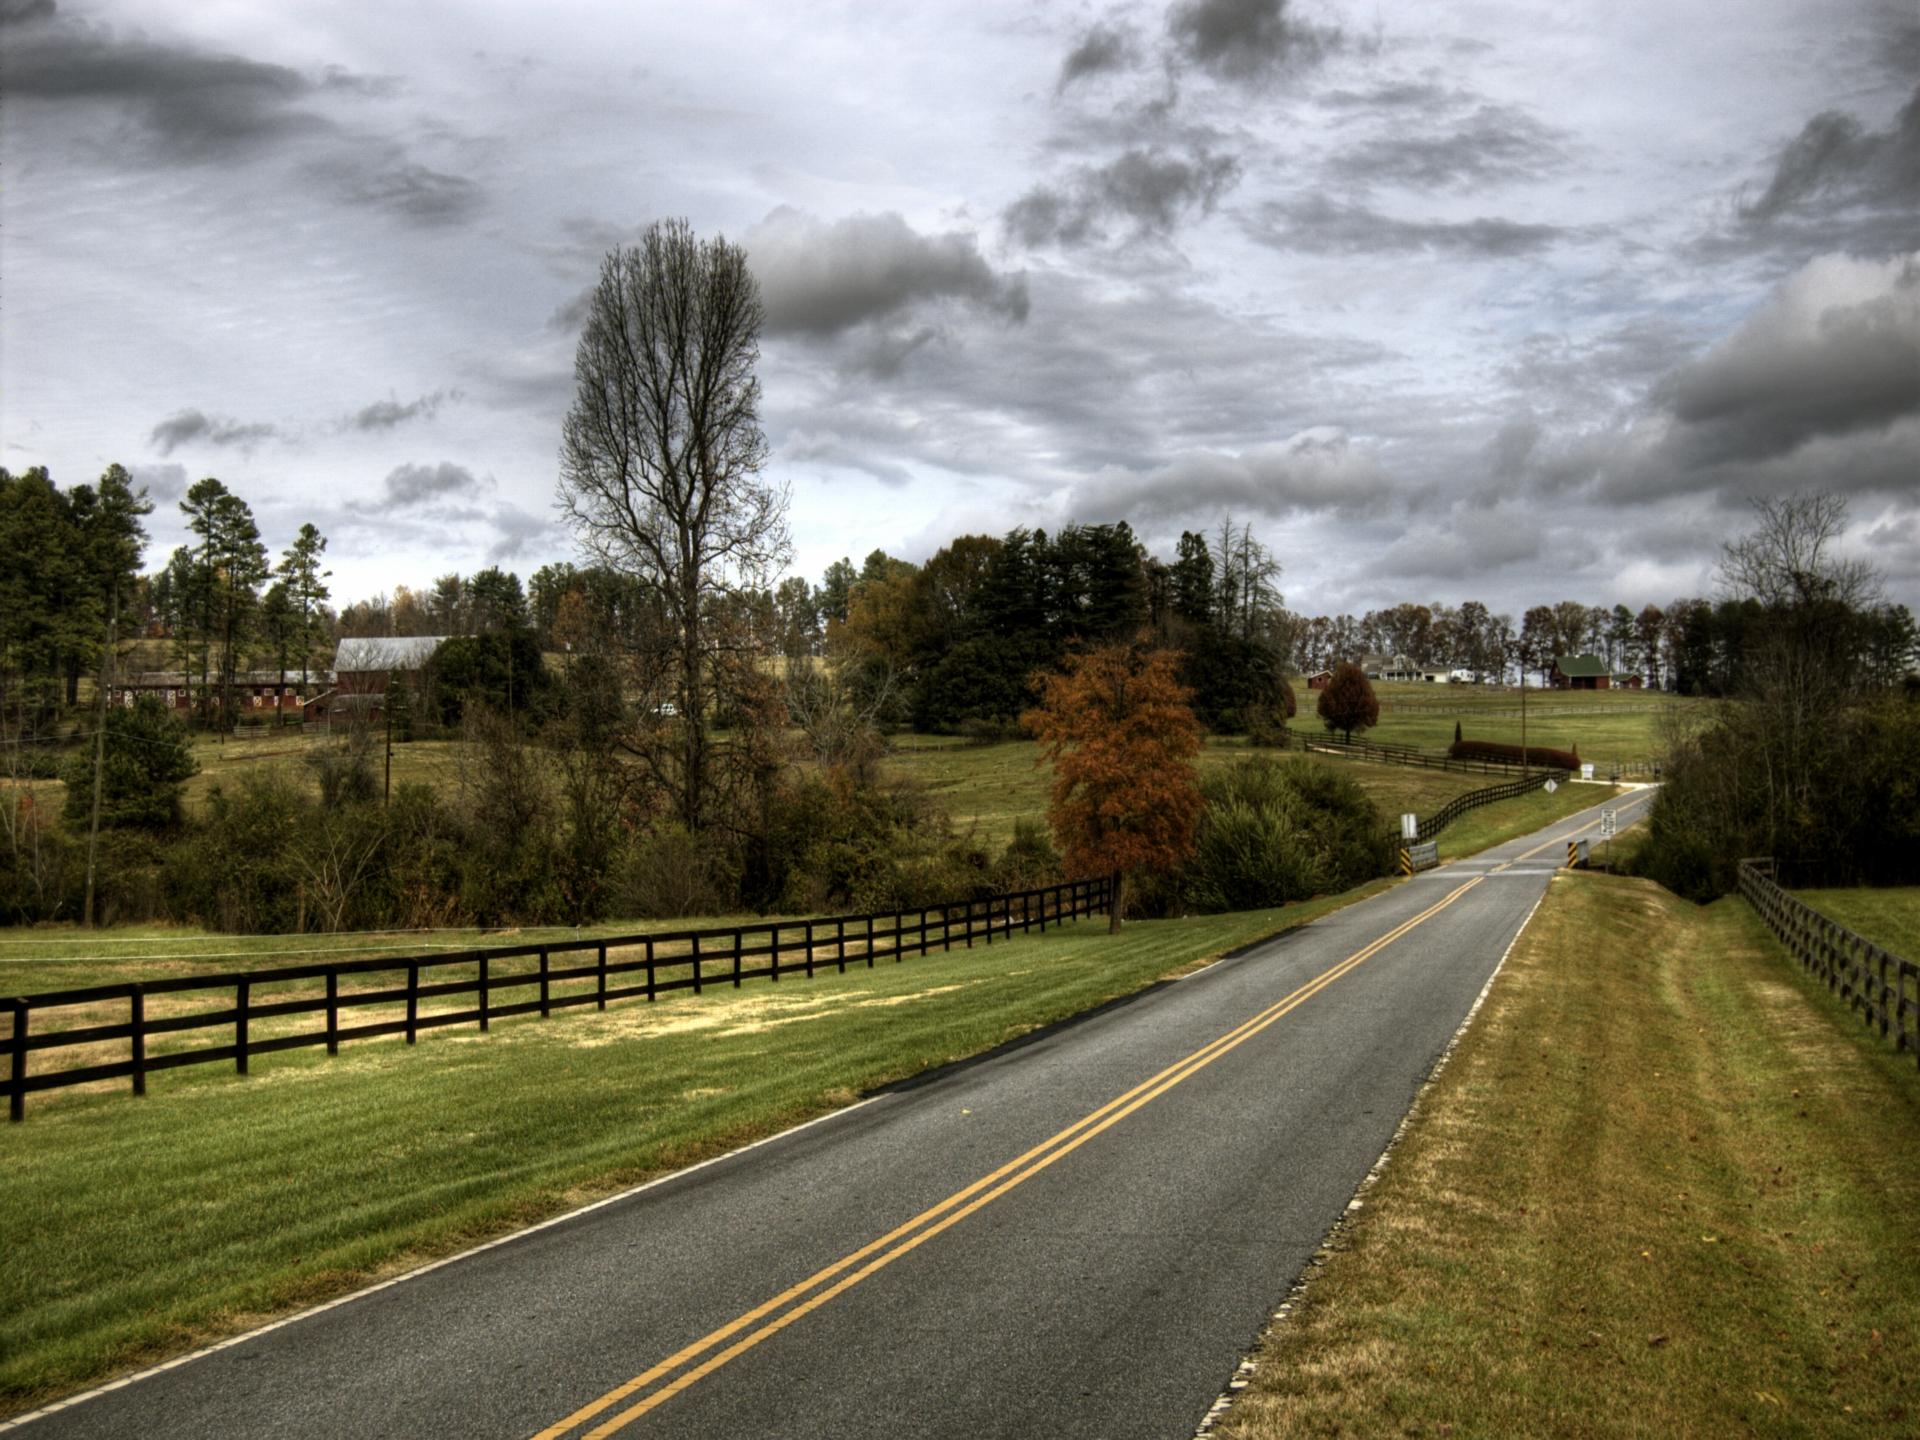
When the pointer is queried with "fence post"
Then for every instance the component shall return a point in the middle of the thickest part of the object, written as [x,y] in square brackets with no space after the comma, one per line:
[736,959]
[139,1008]
[650,987]
[696,964]
[413,1000]
[333,1012]
[869,942]
[773,958]
[840,942]
[17,1081]
[242,1001]
[483,995]
[809,940]
[543,982]
[600,979]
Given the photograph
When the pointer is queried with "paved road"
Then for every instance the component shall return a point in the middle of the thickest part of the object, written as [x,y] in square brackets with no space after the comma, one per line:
[1079,1235]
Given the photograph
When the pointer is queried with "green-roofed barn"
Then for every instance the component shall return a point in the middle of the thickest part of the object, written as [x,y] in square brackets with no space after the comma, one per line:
[1589,672]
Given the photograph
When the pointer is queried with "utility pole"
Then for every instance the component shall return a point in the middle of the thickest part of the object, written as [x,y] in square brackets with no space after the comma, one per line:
[100,748]
[386,710]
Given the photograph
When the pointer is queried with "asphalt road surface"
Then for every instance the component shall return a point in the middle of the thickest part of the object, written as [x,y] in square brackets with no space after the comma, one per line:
[1078,1235]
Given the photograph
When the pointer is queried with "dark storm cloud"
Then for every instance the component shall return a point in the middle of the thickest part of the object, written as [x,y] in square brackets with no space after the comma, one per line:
[1823,359]
[1835,158]
[197,427]
[1246,39]
[193,107]
[20,12]
[408,486]
[1316,225]
[1494,143]
[385,414]
[1102,48]
[1148,190]
[820,279]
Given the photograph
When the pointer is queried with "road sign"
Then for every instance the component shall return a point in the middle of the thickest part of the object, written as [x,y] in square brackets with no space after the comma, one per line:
[1409,827]
[1552,785]
[1606,826]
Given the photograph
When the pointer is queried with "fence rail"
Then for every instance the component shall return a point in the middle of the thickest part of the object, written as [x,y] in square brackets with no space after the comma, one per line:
[1432,825]
[1882,986]
[1429,760]
[63,1038]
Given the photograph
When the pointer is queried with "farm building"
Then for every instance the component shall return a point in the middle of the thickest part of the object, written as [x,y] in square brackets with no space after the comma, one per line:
[1390,667]
[1319,679]
[1589,672]
[363,667]
[265,690]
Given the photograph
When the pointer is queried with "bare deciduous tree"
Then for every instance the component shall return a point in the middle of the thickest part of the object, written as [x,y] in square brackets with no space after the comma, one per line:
[660,461]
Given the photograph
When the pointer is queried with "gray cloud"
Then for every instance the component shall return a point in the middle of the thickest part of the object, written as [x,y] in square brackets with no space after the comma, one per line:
[191,106]
[411,485]
[194,107]
[164,484]
[1494,143]
[412,191]
[1150,189]
[195,426]
[385,414]
[1836,158]
[1103,48]
[1319,471]
[517,531]
[20,12]
[821,279]
[1246,39]
[1835,351]
[1317,225]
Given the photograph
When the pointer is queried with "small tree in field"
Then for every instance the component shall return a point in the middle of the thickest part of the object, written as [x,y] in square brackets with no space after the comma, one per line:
[1348,704]
[1118,731]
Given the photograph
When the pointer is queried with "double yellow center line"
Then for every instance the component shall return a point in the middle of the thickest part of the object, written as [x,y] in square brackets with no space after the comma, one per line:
[772,1316]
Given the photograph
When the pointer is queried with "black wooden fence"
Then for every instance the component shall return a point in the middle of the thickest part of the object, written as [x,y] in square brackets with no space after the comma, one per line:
[63,1033]
[1432,760]
[1884,988]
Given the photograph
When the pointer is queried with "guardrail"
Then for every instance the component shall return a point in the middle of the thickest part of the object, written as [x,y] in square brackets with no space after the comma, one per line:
[87,1046]
[1881,985]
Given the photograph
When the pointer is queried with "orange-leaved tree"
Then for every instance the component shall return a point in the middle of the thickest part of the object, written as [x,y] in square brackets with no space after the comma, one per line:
[1120,735]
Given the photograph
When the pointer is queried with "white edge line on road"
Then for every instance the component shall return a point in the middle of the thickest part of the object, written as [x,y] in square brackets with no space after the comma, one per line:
[125,1380]
[1243,1375]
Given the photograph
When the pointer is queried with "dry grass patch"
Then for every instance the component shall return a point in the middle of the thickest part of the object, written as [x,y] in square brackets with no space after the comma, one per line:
[1663,1188]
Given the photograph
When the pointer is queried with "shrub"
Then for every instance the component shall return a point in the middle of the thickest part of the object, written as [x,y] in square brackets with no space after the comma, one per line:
[1274,832]
[668,874]
[1535,754]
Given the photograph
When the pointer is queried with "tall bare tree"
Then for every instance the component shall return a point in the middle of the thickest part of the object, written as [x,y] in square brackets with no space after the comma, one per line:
[660,462]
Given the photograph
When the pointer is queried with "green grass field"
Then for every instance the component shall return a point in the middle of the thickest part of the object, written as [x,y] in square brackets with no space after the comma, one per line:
[138,1228]
[993,786]
[1664,1187]
[1625,725]
[1889,917]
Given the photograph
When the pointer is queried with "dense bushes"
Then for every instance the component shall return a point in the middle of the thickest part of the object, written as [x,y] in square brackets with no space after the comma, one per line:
[1279,831]
[1854,818]
[1534,754]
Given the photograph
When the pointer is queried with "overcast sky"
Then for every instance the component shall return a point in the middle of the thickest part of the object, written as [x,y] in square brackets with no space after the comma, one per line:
[1506,301]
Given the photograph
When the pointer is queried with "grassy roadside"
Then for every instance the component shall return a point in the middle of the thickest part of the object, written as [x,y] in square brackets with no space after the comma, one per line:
[1664,1187]
[121,1250]
[1506,820]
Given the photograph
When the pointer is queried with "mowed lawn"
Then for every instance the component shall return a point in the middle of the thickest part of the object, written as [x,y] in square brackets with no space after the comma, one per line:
[1624,725]
[1664,1187]
[993,786]
[1890,917]
[137,1228]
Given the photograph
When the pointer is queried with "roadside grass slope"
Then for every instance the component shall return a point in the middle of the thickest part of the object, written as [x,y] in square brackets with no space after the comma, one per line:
[1664,1187]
